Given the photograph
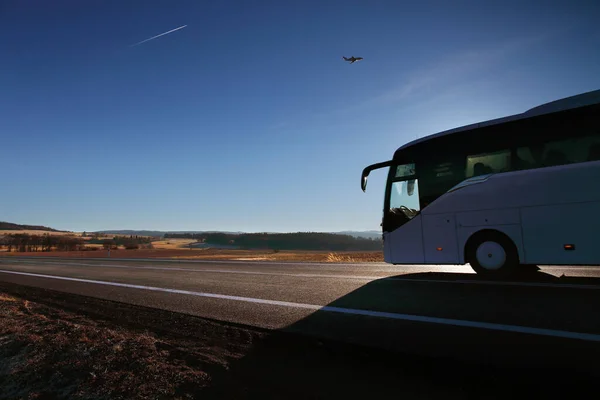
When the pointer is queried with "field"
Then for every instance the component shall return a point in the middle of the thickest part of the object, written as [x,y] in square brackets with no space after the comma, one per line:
[180,249]
[171,244]
[217,254]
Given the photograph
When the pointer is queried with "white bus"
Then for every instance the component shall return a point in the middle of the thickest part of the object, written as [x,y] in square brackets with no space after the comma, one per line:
[519,190]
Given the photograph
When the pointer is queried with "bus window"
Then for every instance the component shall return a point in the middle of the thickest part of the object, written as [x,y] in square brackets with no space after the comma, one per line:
[526,158]
[560,152]
[594,152]
[405,170]
[554,157]
[488,163]
[574,150]
[584,149]
[438,177]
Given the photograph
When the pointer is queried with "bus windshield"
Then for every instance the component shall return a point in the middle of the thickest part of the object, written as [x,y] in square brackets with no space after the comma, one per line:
[405,194]
[404,203]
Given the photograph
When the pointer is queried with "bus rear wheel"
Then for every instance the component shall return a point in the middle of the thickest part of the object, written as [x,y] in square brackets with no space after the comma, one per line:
[492,254]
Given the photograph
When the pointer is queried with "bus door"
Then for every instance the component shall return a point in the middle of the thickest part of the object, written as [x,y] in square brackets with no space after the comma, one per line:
[402,223]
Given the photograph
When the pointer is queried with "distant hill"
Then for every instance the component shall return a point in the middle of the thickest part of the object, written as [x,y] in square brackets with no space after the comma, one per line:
[9,226]
[362,234]
[129,232]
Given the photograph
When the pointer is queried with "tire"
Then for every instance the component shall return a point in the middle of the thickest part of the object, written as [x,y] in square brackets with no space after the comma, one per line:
[492,254]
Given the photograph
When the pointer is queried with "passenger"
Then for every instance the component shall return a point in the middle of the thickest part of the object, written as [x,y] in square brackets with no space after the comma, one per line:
[478,169]
[481,169]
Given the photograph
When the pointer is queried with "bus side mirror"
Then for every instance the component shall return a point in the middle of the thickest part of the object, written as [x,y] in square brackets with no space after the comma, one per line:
[363,183]
[366,171]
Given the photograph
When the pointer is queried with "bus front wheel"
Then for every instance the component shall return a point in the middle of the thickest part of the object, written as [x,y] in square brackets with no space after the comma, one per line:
[492,254]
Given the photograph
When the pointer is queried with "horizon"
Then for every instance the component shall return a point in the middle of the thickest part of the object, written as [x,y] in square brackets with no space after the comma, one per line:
[188,231]
[249,120]
[222,231]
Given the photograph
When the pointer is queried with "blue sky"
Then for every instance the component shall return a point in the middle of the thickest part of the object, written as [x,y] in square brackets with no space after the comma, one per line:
[248,119]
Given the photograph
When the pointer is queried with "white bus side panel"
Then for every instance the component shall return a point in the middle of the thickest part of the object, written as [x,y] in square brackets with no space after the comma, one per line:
[507,216]
[440,240]
[406,243]
[546,229]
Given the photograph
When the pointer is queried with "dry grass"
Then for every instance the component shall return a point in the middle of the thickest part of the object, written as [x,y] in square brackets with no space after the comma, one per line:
[284,255]
[358,257]
[46,351]
[5,297]
[171,244]
[219,254]
[56,350]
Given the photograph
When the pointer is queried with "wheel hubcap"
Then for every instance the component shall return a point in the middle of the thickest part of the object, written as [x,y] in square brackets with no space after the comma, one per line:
[491,255]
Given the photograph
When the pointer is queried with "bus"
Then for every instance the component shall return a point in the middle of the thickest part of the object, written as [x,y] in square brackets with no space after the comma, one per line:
[500,194]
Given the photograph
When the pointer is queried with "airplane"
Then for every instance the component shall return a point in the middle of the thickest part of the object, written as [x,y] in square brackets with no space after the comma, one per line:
[352,59]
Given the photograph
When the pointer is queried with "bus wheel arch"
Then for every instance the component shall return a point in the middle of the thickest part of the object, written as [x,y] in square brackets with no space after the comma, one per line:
[491,253]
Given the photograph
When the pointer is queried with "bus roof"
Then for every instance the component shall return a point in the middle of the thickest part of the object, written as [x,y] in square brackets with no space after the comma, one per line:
[580,100]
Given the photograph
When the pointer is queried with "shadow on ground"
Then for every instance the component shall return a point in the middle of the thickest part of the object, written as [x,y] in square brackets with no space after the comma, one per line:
[383,357]
[529,275]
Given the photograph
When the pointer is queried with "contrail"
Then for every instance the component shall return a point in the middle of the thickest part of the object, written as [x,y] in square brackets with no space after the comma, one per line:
[162,34]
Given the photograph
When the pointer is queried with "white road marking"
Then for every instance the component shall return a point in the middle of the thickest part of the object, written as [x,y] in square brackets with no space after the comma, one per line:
[335,276]
[350,311]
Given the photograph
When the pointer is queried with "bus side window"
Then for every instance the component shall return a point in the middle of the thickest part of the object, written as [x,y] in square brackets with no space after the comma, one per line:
[480,164]
[478,169]
[561,152]
[481,169]
[572,150]
[594,152]
[555,157]
[524,159]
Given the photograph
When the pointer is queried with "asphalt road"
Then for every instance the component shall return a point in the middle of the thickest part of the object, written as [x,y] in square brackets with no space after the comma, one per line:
[546,318]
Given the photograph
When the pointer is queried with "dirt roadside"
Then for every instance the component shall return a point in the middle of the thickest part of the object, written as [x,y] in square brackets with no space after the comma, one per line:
[55,345]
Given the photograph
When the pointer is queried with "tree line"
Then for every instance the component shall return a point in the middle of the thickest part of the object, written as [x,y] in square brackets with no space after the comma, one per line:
[130,242]
[285,241]
[23,242]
